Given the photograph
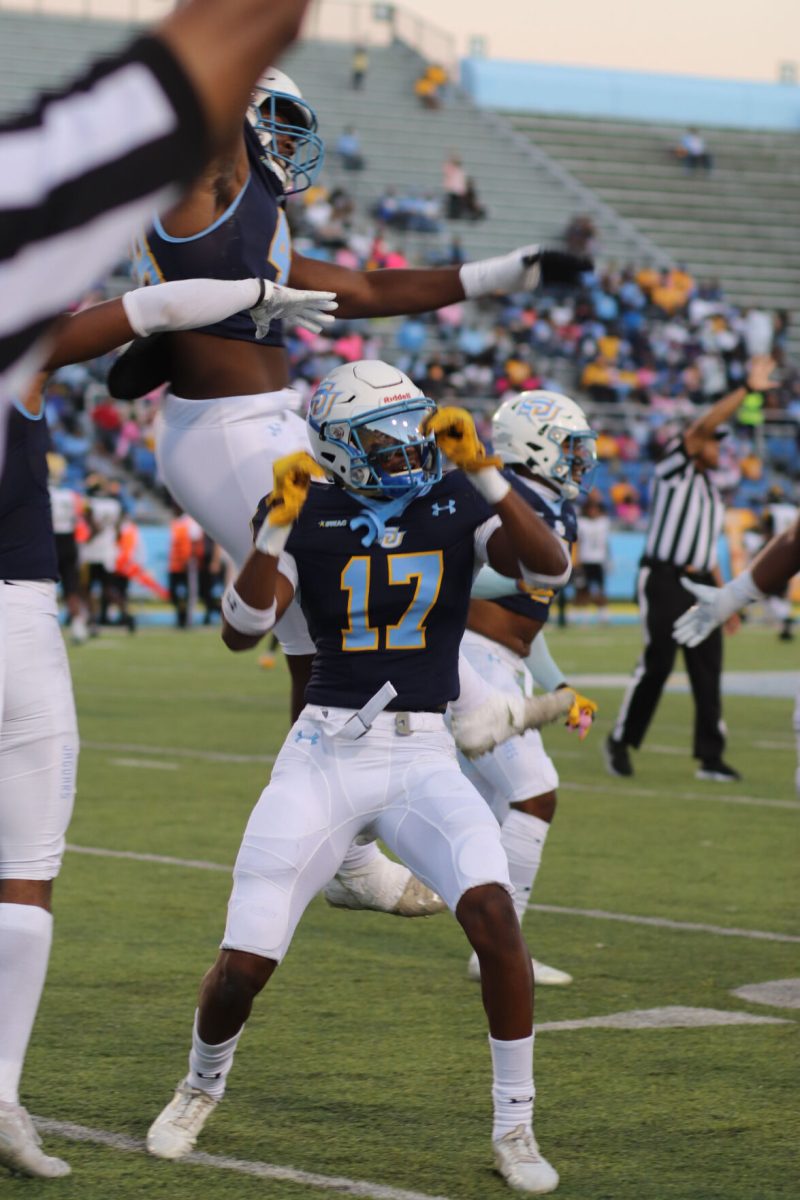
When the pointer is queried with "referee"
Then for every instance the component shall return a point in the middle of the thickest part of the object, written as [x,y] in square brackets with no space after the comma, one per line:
[686,517]
[83,169]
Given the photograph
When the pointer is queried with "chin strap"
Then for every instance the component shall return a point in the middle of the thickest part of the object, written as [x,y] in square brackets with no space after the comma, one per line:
[378,512]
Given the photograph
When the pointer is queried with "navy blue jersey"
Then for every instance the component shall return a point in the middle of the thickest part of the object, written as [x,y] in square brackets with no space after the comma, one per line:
[250,240]
[532,600]
[27,543]
[395,610]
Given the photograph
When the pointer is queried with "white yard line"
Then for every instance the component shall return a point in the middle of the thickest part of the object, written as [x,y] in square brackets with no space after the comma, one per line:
[594,913]
[623,788]
[147,764]
[261,1170]
[178,752]
[167,860]
[631,789]
[599,914]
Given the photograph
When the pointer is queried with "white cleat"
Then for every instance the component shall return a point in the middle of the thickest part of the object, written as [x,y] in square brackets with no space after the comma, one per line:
[175,1130]
[519,1161]
[543,975]
[383,886]
[21,1146]
[502,716]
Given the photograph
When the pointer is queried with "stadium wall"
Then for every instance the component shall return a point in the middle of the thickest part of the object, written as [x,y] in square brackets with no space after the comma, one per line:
[633,95]
[626,550]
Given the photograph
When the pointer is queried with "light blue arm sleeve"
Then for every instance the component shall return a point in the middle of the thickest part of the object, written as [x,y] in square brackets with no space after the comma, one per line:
[542,666]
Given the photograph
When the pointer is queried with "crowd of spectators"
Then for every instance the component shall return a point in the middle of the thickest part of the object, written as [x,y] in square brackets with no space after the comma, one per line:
[644,345]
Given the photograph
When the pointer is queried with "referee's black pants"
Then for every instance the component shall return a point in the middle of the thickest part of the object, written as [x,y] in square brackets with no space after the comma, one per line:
[662,599]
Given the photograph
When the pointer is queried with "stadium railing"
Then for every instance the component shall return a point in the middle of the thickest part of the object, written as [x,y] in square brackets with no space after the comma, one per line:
[331,20]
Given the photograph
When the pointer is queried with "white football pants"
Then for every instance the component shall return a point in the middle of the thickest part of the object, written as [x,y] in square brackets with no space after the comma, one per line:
[216,457]
[38,733]
[519,768]
[326,790]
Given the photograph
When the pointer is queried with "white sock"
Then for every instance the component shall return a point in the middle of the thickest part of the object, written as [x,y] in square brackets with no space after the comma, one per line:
[512,1085]
[209,1065]
[359,856]
[523,838]
[25,935]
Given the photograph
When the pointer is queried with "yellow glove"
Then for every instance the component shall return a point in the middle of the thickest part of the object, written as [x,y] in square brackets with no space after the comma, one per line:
[292,479]
[457,438]
[581,714]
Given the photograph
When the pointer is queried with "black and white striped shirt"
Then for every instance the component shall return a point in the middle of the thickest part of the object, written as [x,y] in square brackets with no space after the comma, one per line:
[78,175]
[686,513]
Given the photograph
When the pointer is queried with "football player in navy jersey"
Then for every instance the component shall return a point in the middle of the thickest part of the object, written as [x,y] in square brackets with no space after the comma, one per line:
[230,412]
[381,552]
[548,449]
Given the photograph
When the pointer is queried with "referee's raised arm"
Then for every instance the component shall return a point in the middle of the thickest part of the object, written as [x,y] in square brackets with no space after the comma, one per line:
[83,168]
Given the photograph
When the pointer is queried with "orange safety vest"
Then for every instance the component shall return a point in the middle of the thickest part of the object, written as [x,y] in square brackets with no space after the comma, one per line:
[180,544]
[127,545]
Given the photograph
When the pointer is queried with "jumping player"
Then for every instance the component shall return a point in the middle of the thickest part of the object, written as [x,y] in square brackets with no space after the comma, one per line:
[548,449]
[382,556]
[231,411]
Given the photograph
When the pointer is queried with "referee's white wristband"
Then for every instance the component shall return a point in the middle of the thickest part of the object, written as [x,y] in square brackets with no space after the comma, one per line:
[252,622]
[490,483]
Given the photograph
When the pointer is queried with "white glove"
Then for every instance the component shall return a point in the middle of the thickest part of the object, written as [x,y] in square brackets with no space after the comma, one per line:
[715,606]
[518,271]
[521,271]
[195,303]
[312,310]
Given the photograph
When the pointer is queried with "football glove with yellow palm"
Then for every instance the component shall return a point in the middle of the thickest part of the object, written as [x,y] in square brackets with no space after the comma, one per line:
[292,477]
[457,438]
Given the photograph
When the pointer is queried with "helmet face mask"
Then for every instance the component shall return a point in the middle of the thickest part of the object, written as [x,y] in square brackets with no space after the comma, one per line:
[286,127]
[364,422]
[549,434]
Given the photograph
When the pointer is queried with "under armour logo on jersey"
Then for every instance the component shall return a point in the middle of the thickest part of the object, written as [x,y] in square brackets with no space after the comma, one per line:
[300,736]
[437,509]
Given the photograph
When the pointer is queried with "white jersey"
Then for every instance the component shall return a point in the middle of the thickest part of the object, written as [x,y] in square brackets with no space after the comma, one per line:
[106,513]
[593,534]
[64,507]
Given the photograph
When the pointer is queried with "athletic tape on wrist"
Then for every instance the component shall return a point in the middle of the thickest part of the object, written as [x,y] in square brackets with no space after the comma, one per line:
[272,539]
[490,483]
[744,590]
[253,622]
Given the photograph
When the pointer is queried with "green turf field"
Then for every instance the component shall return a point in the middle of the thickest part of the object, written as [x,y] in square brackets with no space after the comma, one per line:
[367,1057]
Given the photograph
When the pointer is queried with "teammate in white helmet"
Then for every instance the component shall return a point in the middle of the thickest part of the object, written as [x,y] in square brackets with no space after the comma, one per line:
[231,411]
[382,550]
[548,449]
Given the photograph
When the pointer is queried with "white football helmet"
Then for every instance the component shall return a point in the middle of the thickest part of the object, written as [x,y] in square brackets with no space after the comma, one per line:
[549,434]
[278,110]
[364,423]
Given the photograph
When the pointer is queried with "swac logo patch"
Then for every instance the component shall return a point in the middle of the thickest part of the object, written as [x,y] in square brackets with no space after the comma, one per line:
[393,538]
[323,400]
[449,508]
[535,410]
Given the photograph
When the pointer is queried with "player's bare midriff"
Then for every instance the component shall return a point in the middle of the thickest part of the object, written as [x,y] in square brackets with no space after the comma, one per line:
[510,629]
[205,367]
